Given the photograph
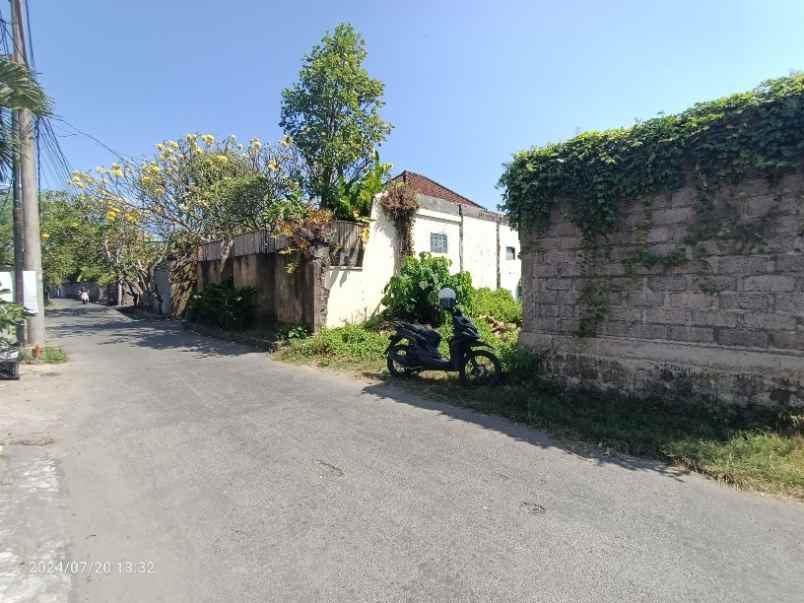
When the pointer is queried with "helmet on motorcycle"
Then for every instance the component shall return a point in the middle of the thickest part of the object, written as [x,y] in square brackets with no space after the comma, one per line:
[446,298]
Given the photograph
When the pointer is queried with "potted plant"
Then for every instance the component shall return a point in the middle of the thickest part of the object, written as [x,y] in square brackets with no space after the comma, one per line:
[10,315]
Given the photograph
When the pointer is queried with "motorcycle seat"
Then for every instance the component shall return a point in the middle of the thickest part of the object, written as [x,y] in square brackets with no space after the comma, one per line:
[425,332]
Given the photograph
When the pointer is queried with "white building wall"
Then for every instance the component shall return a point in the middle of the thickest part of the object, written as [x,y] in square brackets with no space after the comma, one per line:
[480,251]
[355,293]
[428,222]
[510,269]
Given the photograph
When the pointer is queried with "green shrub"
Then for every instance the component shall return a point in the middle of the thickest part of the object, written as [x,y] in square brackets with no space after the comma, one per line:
[349,342]
[224,306]
[413,295]
[295,331]
[10,315]
[498,304]
[520,365]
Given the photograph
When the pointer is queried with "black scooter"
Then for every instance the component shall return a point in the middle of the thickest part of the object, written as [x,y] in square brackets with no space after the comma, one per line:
[414,348]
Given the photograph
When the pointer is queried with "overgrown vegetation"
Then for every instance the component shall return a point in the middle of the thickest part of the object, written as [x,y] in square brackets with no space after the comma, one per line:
[593,174]
[400,203]
[596,174]
[497,304]
[413,294]
[351,343]
[224,306]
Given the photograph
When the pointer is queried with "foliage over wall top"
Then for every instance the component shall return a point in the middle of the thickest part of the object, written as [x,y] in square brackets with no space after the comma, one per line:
[716,142]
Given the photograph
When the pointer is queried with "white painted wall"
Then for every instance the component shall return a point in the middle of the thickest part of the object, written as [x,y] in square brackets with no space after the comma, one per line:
[355,293]
[480,251]
[429,221]
[510,270]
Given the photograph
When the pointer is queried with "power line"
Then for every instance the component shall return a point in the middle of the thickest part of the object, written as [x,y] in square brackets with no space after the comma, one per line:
[93,138]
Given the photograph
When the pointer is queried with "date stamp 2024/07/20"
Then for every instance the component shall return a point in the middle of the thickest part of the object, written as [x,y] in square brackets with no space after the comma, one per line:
[121,567]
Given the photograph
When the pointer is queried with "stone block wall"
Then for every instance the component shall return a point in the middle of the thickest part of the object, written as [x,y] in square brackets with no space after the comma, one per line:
[691,298]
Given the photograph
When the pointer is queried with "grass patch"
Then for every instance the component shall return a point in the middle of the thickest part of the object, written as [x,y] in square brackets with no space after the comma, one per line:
[50,355]
[351,346]
[756,450]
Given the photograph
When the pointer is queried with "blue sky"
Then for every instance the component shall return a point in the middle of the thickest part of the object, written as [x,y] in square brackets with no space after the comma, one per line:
[467,82]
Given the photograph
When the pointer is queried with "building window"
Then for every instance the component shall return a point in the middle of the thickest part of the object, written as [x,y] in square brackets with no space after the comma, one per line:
[510,253]
[438,242]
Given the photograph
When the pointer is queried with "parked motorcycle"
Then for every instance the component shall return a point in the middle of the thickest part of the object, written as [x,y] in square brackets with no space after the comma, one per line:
[413,348]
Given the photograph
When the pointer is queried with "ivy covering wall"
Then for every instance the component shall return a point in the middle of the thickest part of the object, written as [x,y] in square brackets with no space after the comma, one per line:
[715,143]
[596,176]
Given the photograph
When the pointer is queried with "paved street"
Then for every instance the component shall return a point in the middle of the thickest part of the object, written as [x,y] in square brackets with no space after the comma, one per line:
[224,476]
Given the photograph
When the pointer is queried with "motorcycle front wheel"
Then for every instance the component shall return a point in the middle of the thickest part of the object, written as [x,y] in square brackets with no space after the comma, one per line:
[396,356]
[480,368]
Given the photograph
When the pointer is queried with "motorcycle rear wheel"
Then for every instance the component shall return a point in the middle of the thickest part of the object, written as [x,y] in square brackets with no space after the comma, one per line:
[395,366]
[480,368]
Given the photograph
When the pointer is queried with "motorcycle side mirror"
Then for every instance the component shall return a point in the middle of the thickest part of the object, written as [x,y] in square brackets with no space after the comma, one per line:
[447,298]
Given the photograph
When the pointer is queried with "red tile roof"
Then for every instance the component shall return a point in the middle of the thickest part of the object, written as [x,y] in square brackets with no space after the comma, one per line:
[425,186]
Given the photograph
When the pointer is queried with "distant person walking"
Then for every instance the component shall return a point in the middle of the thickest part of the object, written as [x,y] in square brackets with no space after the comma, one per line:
[84,295]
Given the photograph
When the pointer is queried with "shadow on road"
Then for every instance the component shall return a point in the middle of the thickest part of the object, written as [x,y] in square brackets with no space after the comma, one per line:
[115,328]
[521,432]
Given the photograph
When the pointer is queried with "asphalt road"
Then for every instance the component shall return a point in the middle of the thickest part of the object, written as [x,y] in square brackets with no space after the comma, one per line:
[225,476]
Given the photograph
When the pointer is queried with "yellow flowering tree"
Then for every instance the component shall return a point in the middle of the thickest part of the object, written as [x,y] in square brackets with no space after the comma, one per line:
[191,191]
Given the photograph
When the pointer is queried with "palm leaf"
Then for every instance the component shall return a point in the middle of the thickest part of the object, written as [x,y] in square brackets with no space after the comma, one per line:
[20,90]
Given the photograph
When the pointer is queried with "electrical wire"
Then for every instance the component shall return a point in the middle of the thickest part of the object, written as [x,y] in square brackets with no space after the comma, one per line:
[50,154]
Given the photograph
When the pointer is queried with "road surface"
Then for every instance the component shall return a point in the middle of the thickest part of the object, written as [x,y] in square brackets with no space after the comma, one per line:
[172,467]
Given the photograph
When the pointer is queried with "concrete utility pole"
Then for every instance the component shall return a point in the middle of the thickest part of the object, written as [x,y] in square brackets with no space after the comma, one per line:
[16,213]
[26,175]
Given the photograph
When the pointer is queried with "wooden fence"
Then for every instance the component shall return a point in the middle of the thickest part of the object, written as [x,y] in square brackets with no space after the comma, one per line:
[346,248]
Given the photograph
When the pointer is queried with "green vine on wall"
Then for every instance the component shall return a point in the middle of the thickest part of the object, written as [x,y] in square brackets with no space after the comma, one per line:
[593,176]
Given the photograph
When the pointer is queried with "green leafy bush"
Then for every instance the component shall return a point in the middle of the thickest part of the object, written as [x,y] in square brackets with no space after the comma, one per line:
[295,331]
[413,295]
[499,304]
[349,342]
[224,306]
[520,365]
[10,315]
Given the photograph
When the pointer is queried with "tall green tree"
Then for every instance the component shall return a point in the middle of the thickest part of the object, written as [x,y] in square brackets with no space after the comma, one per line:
[72,239]
[332,113]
